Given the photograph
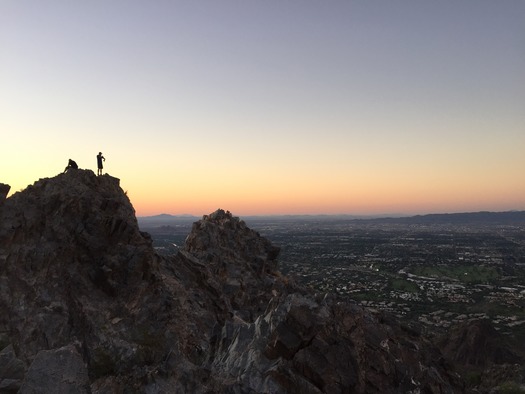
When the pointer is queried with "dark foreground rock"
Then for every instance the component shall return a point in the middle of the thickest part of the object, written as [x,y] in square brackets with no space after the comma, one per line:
[86,305]
[4,190]
[483,355]
[57,371]
[12,371]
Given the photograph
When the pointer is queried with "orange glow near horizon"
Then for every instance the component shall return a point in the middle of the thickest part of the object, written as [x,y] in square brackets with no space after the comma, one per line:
[275,195]
[374,200]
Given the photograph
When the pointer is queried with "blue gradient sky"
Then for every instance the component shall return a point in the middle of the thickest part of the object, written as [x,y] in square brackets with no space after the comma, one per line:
[271,106]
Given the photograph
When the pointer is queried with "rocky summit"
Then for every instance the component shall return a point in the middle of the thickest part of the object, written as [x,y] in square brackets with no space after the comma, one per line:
[88,306]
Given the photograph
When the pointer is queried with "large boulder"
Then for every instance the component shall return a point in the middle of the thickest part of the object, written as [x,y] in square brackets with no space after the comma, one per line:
[60,371]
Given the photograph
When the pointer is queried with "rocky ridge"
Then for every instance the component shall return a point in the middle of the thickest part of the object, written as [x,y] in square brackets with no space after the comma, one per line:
[88,306]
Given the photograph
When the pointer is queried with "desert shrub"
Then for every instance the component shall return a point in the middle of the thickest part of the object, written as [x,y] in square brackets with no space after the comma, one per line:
[511,388]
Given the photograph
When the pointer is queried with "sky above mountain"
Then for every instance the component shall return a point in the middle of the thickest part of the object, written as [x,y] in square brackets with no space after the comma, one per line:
[270,107]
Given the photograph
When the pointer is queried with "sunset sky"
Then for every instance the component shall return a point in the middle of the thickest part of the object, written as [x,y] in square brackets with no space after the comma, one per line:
[271,107]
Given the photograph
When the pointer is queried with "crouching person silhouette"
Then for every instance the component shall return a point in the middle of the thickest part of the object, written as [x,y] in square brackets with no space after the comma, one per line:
[71,164]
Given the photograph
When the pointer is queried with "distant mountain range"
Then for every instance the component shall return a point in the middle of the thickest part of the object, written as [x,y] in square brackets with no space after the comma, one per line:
[509,217]
[165,220]
[484,217]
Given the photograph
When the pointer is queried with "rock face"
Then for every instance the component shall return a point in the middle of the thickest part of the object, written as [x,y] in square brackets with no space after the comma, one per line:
[86,305]
[242,263]
[60,371]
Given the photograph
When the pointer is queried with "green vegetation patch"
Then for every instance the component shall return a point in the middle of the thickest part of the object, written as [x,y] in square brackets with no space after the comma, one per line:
[404,285]
[469,274]
[511,388]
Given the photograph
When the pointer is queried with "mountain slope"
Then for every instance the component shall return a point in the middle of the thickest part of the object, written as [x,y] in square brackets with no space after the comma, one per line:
[80,282]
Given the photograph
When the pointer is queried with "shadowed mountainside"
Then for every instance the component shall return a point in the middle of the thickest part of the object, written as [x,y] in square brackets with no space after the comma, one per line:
[88,306]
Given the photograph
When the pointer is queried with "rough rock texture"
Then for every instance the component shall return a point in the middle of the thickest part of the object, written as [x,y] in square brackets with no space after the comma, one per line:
[303,345]
[12,371]
[57,371]
[242,263]
[86,302]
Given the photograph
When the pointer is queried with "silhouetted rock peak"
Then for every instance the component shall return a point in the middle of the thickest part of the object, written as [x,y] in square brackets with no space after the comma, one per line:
[87,305]
[79,218]
[4,190]
[242,263]
[221,236]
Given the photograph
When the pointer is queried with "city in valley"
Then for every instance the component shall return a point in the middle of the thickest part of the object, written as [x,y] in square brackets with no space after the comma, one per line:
[436,269]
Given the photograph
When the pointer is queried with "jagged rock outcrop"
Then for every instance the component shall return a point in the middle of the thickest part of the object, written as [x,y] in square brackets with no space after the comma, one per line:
[304,345]
[57,371]
[4,191]
[243,264]
[75,267]
[80,282]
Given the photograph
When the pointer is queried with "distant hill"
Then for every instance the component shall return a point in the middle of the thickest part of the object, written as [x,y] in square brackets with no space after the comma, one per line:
[488,218]
[481,218]
[165,220]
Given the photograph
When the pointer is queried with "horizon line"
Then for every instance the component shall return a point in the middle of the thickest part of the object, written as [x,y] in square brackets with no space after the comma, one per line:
[371,215]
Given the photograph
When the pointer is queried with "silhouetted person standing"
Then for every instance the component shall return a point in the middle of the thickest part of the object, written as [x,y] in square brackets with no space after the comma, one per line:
[100,158]
[71,164]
